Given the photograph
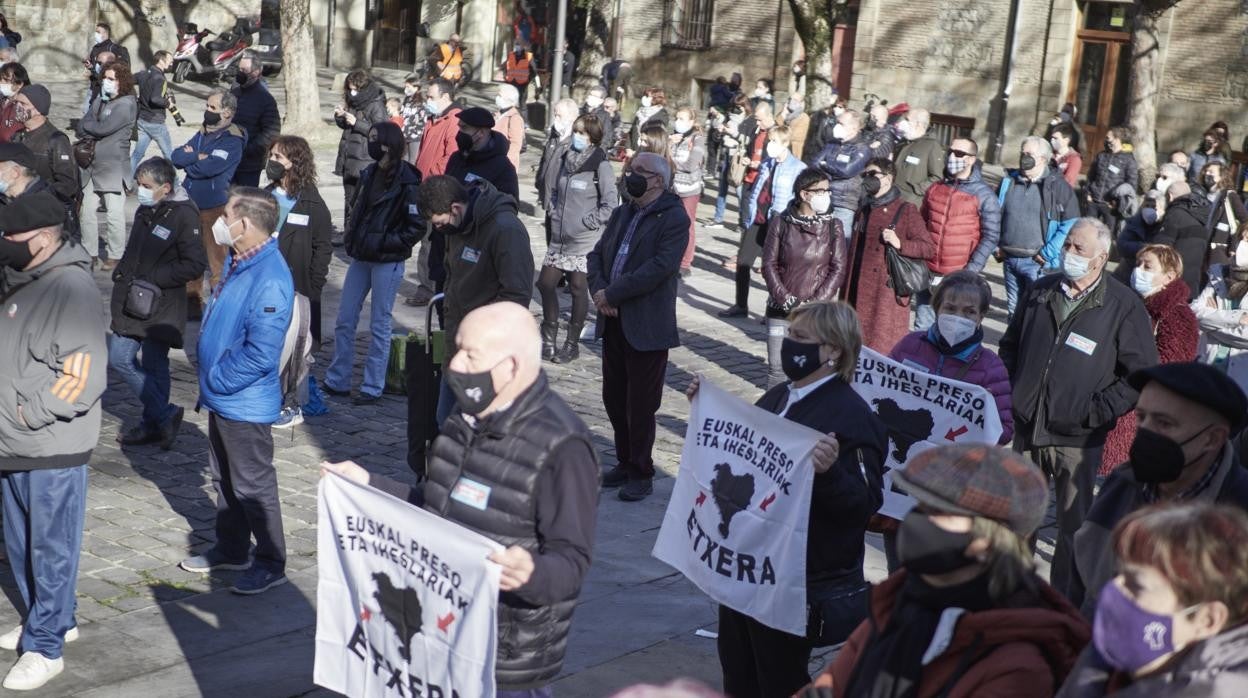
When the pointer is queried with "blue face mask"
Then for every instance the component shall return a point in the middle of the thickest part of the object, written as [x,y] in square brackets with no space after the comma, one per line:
[579,142]
[432,108]
[146,196]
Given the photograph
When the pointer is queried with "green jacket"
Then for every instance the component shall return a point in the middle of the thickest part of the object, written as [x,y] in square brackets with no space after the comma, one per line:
[919,163]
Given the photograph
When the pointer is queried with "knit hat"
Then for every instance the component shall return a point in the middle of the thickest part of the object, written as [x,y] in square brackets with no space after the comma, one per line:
[979,480]
[39,98]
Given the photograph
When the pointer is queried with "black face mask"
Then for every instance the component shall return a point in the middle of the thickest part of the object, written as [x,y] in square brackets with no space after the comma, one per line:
[16,255]
[635,185]
[375,150]
[1156,458]
[1026,162]
[244,79]
[275,171]
[212,118]
[473,391]
[464,142]
[925,548]
[1209,181]
[871,184]
[1108,144]
[799,359]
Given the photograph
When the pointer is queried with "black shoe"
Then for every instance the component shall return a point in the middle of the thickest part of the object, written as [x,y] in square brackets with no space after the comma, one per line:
[335,392]
[366,399]
[733,311]
[636,490]
[169,432]
[615,477]
[138,436]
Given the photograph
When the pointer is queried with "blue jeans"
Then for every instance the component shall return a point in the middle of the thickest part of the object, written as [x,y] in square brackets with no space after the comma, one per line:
[846,217]
[148,377]
[150,131]
[1019,272]
[721,195]
[382,279]
[924,313]
[43,517]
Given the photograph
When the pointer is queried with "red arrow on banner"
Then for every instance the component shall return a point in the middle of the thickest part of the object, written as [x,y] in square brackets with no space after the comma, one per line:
[766,502]
[953,434]
[445,621]
[701,498]
[365,614]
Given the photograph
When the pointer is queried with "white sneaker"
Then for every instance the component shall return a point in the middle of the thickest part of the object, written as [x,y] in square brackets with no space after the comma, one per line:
[32,671]
[10,640]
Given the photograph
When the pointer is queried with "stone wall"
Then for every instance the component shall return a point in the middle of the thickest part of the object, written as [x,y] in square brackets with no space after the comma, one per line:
[1205,74]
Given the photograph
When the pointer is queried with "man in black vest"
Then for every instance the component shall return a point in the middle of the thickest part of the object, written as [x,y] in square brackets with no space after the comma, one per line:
[537,458]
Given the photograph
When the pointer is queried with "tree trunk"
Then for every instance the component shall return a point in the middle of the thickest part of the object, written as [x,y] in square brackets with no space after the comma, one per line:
[595,46]
[814,21]
[1143,85]
[303,99]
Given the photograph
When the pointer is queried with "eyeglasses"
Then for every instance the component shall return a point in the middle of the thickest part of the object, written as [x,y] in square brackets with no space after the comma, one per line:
[961,153]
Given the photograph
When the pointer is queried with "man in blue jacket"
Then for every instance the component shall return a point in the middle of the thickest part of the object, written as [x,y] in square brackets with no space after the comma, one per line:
[240,345]
[209,159]
[1038,209]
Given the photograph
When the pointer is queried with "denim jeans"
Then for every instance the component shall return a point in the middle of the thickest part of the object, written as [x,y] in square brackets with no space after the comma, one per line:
[43,518]
[924,313]
[846,217]
[382,279]
[721,196]
[150,131]
[147,376]
[1019,272]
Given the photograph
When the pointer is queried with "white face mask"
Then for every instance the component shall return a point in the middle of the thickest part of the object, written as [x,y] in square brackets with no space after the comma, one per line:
[221,233]
[955,329]
[646,101]
[1142,281]
[354,92]
[108,88]
[775,150]
[1162,184]
[683,126]
[593,102]
[821,203]
[6,89]
[839,132]
[1075,267]
[563,128]
[1241,254]
[1056,145]
[409,91]
[99,38]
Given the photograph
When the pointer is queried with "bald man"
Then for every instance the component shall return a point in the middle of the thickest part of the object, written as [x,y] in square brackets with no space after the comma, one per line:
[515,464]
[921,160]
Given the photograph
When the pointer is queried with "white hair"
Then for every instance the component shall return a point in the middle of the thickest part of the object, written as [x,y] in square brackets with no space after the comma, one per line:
[1046,150]
[1172,172]
[509,93]
[568,107]
[1103,235]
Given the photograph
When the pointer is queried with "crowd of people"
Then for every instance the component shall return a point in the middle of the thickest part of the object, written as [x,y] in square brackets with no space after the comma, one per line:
[1121,387]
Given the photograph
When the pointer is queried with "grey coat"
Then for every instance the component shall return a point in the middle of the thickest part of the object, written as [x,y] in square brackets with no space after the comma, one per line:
[580,202]
[110,123]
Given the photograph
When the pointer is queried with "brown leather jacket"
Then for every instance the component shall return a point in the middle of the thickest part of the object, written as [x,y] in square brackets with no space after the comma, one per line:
[803,258]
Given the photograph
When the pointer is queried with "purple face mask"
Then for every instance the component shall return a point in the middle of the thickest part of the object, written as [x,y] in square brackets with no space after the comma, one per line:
[1126,636]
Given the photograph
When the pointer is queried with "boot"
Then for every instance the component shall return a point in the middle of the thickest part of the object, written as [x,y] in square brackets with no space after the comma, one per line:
[571,345]
[550,335]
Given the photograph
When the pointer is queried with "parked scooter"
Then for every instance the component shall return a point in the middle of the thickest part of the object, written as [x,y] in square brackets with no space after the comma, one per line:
[209,59]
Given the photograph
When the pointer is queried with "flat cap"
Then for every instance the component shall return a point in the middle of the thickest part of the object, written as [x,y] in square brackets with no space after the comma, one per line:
[16,152]
[478,117]
[979,480]
[31,212]
[1200,383]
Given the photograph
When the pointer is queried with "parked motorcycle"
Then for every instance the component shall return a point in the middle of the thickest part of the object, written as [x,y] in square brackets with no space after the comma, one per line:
[218,58]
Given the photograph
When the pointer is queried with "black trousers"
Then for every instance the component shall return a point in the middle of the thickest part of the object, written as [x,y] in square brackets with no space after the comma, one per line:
[632,389]
[240,457]
[758,661]
[748,251]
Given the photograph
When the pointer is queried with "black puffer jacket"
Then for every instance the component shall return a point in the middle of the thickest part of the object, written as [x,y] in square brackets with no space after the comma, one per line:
[385,221]
[490,163]
[304,239]
[1110,170]
[1183,228]
[368,107]
[165,248]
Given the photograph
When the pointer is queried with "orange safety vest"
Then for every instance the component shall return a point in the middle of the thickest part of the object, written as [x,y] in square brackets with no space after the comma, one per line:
[518,72]
[452,62]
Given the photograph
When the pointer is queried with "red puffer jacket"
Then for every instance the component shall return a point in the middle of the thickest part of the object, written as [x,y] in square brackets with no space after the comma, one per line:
[952,216]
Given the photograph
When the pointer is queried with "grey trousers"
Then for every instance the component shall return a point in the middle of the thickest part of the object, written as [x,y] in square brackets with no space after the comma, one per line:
[776,329]
[1072,470]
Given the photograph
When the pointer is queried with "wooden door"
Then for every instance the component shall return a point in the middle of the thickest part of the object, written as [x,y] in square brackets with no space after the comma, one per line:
[1099,73]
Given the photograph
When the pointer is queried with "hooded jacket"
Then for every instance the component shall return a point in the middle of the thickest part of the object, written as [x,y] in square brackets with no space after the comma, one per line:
[385,226]
[242,335]
[644,291]
[1183,228]
[488,260]
[165,248]
[1024,649]
[964,218]
[368,107]
[1069,380]
[581,202]
[490,163]
[54,371]
[207,181]
[1059,209]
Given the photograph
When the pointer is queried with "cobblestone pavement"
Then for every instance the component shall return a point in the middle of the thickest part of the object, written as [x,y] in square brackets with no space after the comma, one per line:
[148,627]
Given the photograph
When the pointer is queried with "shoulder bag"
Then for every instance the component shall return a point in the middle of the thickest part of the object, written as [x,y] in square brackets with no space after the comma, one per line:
[84,152]
[906,275]
[142,296]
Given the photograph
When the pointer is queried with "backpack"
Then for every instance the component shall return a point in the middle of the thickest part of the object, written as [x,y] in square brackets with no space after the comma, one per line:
[296,361]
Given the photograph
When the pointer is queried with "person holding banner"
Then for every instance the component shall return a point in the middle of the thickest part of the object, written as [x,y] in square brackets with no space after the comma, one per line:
[819,356]
[515,464]
[967,615]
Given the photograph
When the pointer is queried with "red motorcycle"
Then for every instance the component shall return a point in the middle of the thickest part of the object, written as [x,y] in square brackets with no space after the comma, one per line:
[208,59]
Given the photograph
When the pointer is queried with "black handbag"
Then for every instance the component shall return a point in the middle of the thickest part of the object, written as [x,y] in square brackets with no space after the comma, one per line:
[906,275]
[835,607]
[141,299]
[84,152]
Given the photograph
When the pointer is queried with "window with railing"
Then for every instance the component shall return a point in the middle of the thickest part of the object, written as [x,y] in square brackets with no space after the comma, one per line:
[687,23]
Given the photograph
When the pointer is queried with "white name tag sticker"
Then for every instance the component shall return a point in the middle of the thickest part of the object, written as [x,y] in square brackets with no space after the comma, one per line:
[470,255]
[472,493]
[219,153]
[1223,227]
[578,185]
[64,157]
[912,160]
[1114,169]
[470,178]
[297,218]
[842,158]
[1080,343]
[413,210]
[161,232]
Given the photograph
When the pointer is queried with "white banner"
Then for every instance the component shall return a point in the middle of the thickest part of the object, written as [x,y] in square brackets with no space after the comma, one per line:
[736,523]
[407,604]
[921,411]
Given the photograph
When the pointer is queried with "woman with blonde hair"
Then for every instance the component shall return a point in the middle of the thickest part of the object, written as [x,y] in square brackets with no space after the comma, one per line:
[820,355]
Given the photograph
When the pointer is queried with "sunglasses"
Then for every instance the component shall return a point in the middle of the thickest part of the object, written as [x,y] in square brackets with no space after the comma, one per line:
[961,153]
